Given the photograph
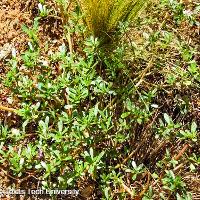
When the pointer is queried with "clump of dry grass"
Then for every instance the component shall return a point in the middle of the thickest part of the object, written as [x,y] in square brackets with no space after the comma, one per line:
[102,16]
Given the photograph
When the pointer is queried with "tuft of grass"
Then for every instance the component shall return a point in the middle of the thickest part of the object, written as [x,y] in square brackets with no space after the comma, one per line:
[103,16]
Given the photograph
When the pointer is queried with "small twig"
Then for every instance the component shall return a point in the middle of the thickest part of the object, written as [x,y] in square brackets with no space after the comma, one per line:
[66,99]
[54,16]
[26,178]
[144,72]
[181,152]
[138,147]
[8,109]
[147,185]
[139,197]
[26,5]
[127,189]
[157,149]
[175,158]
[178,167]
[7,174]
[69,40]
